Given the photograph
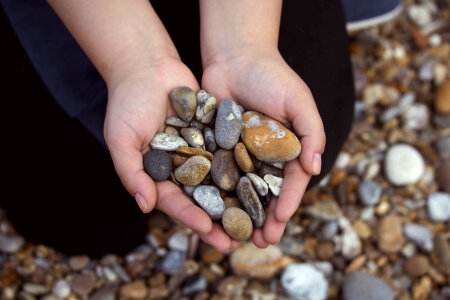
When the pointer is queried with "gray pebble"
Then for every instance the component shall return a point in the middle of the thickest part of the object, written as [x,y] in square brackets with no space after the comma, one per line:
[304,281]
[167,142]
[274,183]
[258,183]
[439,206]
[369,191]
[443,146]
[250,201]
[206,107]
[176,122]
[198,125]
[189,189]
[228,124]
[184,102]
[360,285]
[61,289]
[208,197]
[266,169]
[419,235]
[194,137]
[10,243]
[158,164]
[172,263]
[178,241]
[210,140]
[194,284]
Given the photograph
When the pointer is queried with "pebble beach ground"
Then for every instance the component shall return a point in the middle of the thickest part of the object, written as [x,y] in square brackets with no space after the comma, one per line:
[376,228]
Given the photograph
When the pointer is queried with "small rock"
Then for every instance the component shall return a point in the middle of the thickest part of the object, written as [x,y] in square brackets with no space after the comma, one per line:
[34,288]
[134,290]
[193,137]
[259,184]
[171,130]
[194,284]
[250,201]
[78,262]
[361,285]
[439,206]
[228,124]
[172,263]
[303,281]
[370,192]
[442,250]
[83,284]
[416,117]
[443,176]
[231,202]
[443,146]
[442,99]
[350,242]
[268,140]
[265,200]
[224,171]
[325,250]
[104,293]
[184,102]
[193,171]
[189,189]
[61,289]
[177,122]
[325,210]
[419,14]
[417,265]
[10,243]
[329,230]
[274,183]
[210,140]
[237,224]
[243,158]
[206,107]
[362,229]
[196,124]
[266,169]
[390,236]
[178,241]
[278,165]
[208,197]
[167,142]
[419,235]
[232,287]
[189,151]
[403,165]
[421,290]
[343,160]
[158,164]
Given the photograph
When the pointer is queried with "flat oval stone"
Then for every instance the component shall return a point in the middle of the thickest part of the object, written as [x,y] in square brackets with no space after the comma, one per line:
[158,164]
[274,183]
[250,201]
[193,137]
[208,197]
[171,130]
[237,224]
[184,102]
[243,158]
[193,171]
[267,139]
[189,151]
[224,171]
[167,142]
[206,107]
[177,122]
[231,202]
[258,183]
[228,124]
[210,140]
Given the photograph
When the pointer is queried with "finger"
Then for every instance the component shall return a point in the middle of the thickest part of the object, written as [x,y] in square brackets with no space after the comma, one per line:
[175,204]
[294,185]
[273,229]
[258,238]
[217,238]
[234,244]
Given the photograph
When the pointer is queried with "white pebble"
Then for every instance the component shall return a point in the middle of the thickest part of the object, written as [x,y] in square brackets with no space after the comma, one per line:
[303,281]
[61,289]
[274,183]
[403,165]
[439,206]
[419,235]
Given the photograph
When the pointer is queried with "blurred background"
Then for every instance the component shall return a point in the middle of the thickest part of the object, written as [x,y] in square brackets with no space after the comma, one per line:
[377,227]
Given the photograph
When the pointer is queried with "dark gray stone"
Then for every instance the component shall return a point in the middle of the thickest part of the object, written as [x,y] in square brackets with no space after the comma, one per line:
[250,201]
[157,164]
[210,140]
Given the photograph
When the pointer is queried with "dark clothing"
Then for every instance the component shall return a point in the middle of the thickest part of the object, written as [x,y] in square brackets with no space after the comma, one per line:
[62,189]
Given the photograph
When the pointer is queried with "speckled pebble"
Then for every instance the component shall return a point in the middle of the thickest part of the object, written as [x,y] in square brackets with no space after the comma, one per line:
[184,102]
[228,124]
[274,183]
[210,140]
[231,202]
[224,171]
[176,122]
[206,107]
[171,130]
[193,171]
[158,164]
[193,137]
[167,142]
[237,224]
[258,183]
[250,201]
[208,197]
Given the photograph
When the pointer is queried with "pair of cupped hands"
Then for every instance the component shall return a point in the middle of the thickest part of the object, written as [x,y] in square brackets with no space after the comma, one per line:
[258,79]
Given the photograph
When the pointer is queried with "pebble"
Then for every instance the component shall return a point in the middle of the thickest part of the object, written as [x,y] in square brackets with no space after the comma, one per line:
[325,210]
[228,124]
[274,183]
[177,122]
[329,230]
[439,206]
[189,189]
[390,236]
[83,284]
[416,117]
[208,197]
[250,201]
[443,146]
[171,130]
[10,243]
[268,140]
[419,14]
[196,124]
[443,176]
[303,281]
[210,140]
[231,202]
[350,242]
[167,142]
[237,224]
[194,284]
[442,250]
[35,288]
[206,107]
[172,263]
[61,289]
[134,290]
[193,171]
[224,170]
[369,192]
[265,200]
[158,164]
[361,285]
[442,98]
[266,169]
[189,152]
[259,184]
[178,241]
[419,235]
[403,165]
[243,158]
[104,293]
[193,137]
[417,265]
[184,102]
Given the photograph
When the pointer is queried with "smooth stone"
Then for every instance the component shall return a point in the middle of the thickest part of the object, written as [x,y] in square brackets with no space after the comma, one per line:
[267,169]
[228,124]
[324,210]
[237,224]
[194,284]
[208,197]
[390,235]
[178,241]
[224,170]
[303,281]
[419,235]
[250,201]
[177,122]
[416,117]
[274,183]
[167,142]
[197,124]
[61,289]
[172,263]
[11,243]
[184,102]
[231,202]
[278,165]
[83,284]
[443,146]
[158,164]
[443,176]
[134,290]
[243,158]
[350,243]
[78,262]
[171,130]
[193,137]
[442,98]
[417,265]
[189,152]
[360,285]
[403,165]
[267,139]
[193,171]
[442,250]
[439,206]
[369,192]
[258,183]
[206,107]
[210,140]
[178,160]
[104,293]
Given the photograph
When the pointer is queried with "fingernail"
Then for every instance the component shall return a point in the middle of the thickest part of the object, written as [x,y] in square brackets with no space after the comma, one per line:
[141,202]
[317,163]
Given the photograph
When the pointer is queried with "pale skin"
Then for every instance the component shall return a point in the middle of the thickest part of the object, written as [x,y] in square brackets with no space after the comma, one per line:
[133,52]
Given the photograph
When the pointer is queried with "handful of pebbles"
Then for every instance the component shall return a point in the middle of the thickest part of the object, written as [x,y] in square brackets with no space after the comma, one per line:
[231,162]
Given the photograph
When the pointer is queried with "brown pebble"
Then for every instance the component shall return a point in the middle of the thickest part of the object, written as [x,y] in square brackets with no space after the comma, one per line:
[134,290]
[178,160]
[356,264]
[237,224]
[190,151]
[390,235]
[442,99]
[417,265]
[325,250]
[171,130]
[243,159]
[231,202]
[193,171]
[224,170]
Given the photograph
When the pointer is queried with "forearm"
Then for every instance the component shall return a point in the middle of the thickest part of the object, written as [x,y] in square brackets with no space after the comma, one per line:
[230,25]
[118,36]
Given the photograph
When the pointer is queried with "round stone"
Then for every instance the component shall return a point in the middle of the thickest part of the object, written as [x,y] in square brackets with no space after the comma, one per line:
[184,102]
[206,107]
[78,262]
[228,124]
[417,265]
[158,164]
[243,158]
[361,285]
[167,142]
[171,130]
[258,183]
[224,171]
[403,165]
[439,206]
[237,224]
[250,201]
[369,192]
[267,139]
[303,281]
[390,236]
[274,183]
[210,140]
[11,243]
[442,99]
[134,290]
[83,284]
[193,137]
[231,202]
[193,171]
[208,197]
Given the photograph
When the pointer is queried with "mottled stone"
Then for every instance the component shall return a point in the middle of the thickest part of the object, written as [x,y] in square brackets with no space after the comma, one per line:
[61,289]
[231,202]
[250,201]
[167,142]
[237,224]
[266,169]
[157,164]
[208,197]
[442,99]
[193,171]
[243,158]
[177,122]
[171,130]
[439,206]
[417,265]
[193,137]
[224,171]
[403,165]
[134,290]
[369,192]
[210,140]
[189,151]
[206,107]
[274,183]
[258,183]
[228,124]
[390,236]
[303,281]
[442,250]
[267,139]
[360,285]
[197,124]
[104,293]
[184,102]
[419,235]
